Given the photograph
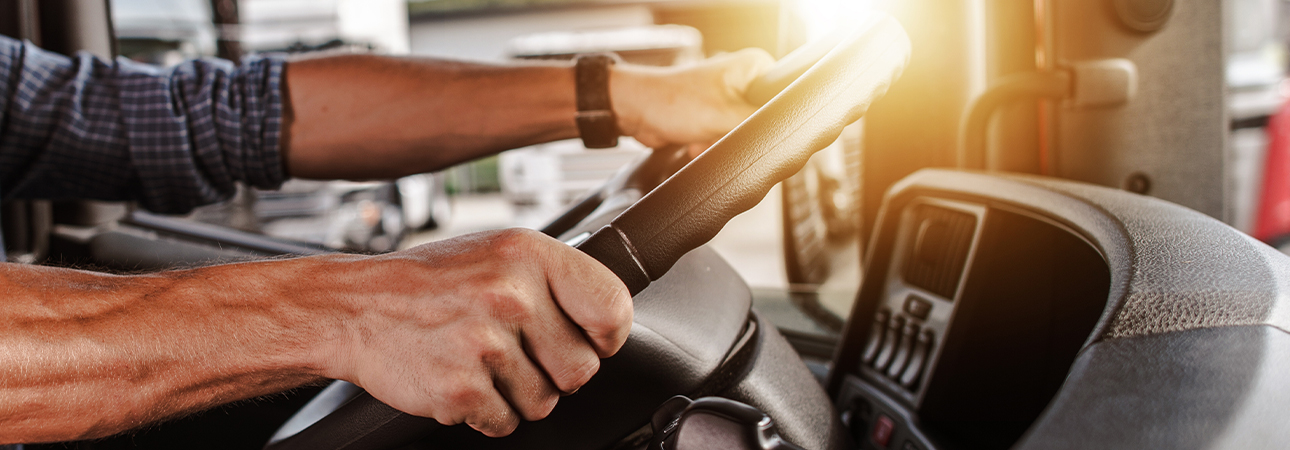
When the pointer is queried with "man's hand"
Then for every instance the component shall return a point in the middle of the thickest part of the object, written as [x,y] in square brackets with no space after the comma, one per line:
[485,329]
[693,104]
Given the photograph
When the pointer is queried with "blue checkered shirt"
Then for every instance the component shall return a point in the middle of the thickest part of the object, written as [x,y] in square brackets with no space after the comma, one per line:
[171,139]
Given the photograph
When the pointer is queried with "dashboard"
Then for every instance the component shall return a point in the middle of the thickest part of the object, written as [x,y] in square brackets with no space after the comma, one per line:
[971,316]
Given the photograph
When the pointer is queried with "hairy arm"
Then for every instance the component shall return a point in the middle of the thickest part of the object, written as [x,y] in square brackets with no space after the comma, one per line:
[85,355]
[365,116]
[486,329]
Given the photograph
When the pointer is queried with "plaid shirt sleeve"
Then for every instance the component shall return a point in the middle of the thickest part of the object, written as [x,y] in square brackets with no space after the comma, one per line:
[172,139]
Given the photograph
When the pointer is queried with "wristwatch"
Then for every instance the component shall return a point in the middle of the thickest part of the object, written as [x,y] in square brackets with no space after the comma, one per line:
[597,123]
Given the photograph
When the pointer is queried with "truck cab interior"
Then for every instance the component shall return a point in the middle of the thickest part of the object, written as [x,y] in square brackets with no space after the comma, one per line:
[1046,262]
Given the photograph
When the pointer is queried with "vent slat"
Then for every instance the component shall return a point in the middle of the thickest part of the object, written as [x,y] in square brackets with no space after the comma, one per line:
[938,249]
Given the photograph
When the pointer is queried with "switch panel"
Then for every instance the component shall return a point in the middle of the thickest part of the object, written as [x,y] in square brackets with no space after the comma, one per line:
[935,242]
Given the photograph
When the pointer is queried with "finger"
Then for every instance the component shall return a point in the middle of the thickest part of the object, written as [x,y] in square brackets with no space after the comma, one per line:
[560,347]
[496,418]
[745,66]
[471,399]
[490,413]
[591,296]
[523,385]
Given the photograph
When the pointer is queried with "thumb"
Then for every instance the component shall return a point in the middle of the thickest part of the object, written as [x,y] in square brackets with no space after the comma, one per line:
[744,66]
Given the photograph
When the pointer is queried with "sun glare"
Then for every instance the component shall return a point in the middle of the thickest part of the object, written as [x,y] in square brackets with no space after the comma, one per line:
[821,16]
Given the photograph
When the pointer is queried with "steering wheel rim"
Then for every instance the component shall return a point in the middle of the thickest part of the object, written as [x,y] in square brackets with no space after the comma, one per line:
[801,115]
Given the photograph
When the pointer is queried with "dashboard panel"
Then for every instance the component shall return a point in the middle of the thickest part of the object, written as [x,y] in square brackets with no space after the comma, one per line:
[1083,317]
[976,314]
[933,244]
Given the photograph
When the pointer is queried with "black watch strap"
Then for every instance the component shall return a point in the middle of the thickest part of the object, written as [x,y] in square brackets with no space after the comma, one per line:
[596,121]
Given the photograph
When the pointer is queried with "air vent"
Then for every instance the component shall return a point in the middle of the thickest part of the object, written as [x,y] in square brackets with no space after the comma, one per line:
[938,249]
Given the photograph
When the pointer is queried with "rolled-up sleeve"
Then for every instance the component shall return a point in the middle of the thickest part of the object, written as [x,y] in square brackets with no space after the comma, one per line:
[172,138]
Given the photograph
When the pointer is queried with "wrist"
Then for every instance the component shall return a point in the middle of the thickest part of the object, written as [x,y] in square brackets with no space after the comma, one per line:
[625,89]
[298,312]
[597,123]
[326,301]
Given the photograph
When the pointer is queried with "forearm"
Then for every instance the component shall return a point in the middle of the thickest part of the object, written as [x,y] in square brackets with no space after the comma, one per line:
[86,355]
[483,329]
[378,117]
[364,116]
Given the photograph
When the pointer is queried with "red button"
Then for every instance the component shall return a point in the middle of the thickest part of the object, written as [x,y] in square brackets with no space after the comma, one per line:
[882,430]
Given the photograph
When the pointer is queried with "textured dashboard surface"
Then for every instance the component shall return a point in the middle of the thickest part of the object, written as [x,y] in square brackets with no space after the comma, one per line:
[1187,271]
[1212,388]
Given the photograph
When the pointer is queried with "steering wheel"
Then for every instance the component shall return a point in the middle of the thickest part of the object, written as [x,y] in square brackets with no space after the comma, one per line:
[807,97]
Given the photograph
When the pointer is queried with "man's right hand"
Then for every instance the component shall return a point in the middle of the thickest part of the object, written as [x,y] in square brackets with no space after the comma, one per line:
[485,329]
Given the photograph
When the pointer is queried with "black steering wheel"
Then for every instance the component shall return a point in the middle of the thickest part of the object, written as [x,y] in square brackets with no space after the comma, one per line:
[807,97]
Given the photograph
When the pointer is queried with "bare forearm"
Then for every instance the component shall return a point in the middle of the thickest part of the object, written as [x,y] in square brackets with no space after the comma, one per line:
[363,116]
[378,117]
[86,355]
[484,329]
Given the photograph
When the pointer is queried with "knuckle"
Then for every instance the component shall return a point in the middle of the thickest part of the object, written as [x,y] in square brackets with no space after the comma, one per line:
[612,324]
[510,302]
[621,311]
[443,405]
[514,243]
[572,376]
[492,284]
[541,407]
[464,398]
[489,347]
[494,422]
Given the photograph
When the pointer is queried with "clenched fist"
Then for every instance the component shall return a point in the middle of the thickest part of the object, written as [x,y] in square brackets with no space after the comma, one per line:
[485,329]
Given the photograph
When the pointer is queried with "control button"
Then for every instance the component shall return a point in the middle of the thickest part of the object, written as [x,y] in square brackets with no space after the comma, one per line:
[876,332]
[894,330]
[918,307]
[918,358]
[882,429]
[857,417]
[903,350]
